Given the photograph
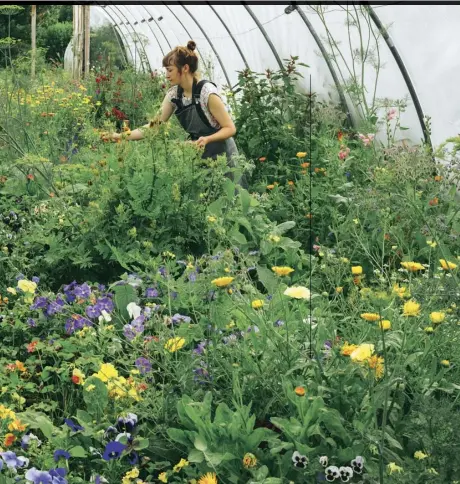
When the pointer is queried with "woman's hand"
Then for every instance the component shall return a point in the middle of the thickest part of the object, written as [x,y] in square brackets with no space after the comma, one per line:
[110,136]
[202,142]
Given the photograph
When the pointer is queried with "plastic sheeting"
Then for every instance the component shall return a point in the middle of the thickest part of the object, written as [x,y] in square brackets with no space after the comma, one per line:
[261,36]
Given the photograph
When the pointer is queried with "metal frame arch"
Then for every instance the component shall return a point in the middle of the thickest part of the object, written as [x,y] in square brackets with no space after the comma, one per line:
[159,28]
[210,43]
[264,33]
[133,30]
[116,27]
[230,34]
[320,45]
[405,74]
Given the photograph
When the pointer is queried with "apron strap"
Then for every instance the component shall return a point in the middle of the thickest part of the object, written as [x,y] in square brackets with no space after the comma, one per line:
[197,87]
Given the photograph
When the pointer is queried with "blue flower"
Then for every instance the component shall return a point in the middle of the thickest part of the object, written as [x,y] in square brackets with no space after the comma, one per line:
[92,312]
[111,430]
[133,458]
[38,477]
[12,461]
[83,291]
[58,475]
[31,322]
[278,323]
[75,427]
[143,365]
[61,453]
[113,450]
[127,423]
[151,292]
[36,279]
[179,318]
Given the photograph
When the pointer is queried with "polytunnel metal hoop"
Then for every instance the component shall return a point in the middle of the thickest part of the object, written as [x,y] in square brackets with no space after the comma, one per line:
[151,17]
[115,27]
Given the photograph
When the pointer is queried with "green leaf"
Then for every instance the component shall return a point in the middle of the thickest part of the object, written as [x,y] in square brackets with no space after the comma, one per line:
[215,459]
[200,443]
[195,456]
[140,444]
[267,278]
[229,188]
[237,236]
[245,200]
[78,451]
[178,435]
[123,296]
[284,227]
[97,399]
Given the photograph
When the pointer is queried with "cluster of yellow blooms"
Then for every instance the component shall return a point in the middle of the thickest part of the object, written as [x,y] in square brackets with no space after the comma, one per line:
[13,423]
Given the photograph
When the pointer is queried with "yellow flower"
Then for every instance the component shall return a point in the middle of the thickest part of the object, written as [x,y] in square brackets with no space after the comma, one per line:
[180,464]
[132,474]
[298,292]
[78,377]
[411,308]
[249,460]
[300,391]
[356,270]
[222,281]
[6,413]
[420,455]
[344,260]
[163,477]
[431,244]
[400,291]
[362,352]
[432,470]
[17,425]
[445,363]
[385,325]
[270,187]
[437,317]
[209,478]
[257,304]
[274,238]
[211,219]
[428,329]
[339,289]
[301,154]
[412,266]
[370,316]
[27,286]
[174,344]
[377,364]
[106,372]
[11,290]
[447,265]
[392,467]
[282,270]
[348,349]
[90,388]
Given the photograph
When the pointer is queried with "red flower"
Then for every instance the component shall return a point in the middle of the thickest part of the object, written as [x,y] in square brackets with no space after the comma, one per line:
[30,176]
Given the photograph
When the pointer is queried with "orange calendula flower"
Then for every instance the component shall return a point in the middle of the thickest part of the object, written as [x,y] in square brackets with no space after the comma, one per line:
[291,183]
[300,391]
[9,440]
[209,478]
[262,159]
[17,425]
[305,165]
[31,346]
[270,187]
[377,364]
[347,349]
[438,178]
[20,366]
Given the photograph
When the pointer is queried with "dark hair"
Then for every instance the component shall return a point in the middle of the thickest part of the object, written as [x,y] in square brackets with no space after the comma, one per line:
[180,56]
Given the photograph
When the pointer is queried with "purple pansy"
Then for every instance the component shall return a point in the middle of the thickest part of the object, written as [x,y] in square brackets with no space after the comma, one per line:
[75,427]
[61,453]
[151,292]
[113,450]
[143,365]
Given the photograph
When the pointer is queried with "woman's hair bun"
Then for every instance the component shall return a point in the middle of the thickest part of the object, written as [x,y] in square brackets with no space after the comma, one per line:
[191,45]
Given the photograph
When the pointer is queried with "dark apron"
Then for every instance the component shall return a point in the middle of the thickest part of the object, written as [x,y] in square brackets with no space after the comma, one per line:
[195,123]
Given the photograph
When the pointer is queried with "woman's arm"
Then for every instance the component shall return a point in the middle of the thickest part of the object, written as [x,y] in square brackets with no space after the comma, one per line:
[137,134]
[217,109]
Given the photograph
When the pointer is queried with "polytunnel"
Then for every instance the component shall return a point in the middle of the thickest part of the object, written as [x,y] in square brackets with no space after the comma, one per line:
[384,51]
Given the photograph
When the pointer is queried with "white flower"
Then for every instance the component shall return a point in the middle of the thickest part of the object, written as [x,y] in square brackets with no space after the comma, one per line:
[323,460]
[134,310]
[332,473]
[358,463]
[105,316]
[346,473]
[299,460]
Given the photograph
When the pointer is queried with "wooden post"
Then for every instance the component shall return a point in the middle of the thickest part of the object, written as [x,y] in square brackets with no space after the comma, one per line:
[34,39]
[86,38]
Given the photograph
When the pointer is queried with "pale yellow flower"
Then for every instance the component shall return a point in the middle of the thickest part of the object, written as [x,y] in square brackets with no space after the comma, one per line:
[222,281]
[174,344]
[411,308]
[257,304]
[301,154]
[385,324]
[363,352]
[282,270]
[298,292]
[392,467]
[356,270]
[370,316]
[412,266]
[163,477]
[27,286]
[437,317]
[447,265]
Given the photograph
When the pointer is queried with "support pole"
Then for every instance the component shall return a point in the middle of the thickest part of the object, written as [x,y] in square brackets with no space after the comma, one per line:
[34,39]
[86,38]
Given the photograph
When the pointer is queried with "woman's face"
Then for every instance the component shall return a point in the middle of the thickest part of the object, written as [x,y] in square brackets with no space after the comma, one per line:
[174,76]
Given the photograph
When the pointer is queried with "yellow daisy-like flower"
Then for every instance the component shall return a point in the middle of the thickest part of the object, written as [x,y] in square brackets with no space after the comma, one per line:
[257,304]
[445,363]
[174,344]
[428,329]
[420,455]
[370,316]
[400,290]
[298,292]
[339,290]
[385,325]
[163,477]
[106,372]
[17,426]
[362,352]
[209,478]
[377,364]
[249,460]
[282,270]
[211,219]
[437,317]
[222,281]
[132,474]
[347,349]
[412,266]
[411,308]
[180,464]
[447,265]
[357,270]
[301,154]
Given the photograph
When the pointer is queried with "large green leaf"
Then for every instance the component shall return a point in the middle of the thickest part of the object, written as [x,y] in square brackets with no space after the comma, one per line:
[123,296]
[267,278]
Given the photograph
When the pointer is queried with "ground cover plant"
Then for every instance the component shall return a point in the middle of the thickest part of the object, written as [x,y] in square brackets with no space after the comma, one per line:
[160,324]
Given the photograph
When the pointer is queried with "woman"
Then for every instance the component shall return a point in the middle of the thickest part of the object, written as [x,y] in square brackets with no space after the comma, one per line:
[197,106]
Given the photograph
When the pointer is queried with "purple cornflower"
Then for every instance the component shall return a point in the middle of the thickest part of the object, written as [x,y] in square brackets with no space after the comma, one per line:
[61,453]
[162,271]
[278,323]
[113,450]
[253,328]
[151,292]
[179,318]
[192,276]
[31,322]
[199,350]
[143,365]
[20,276]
